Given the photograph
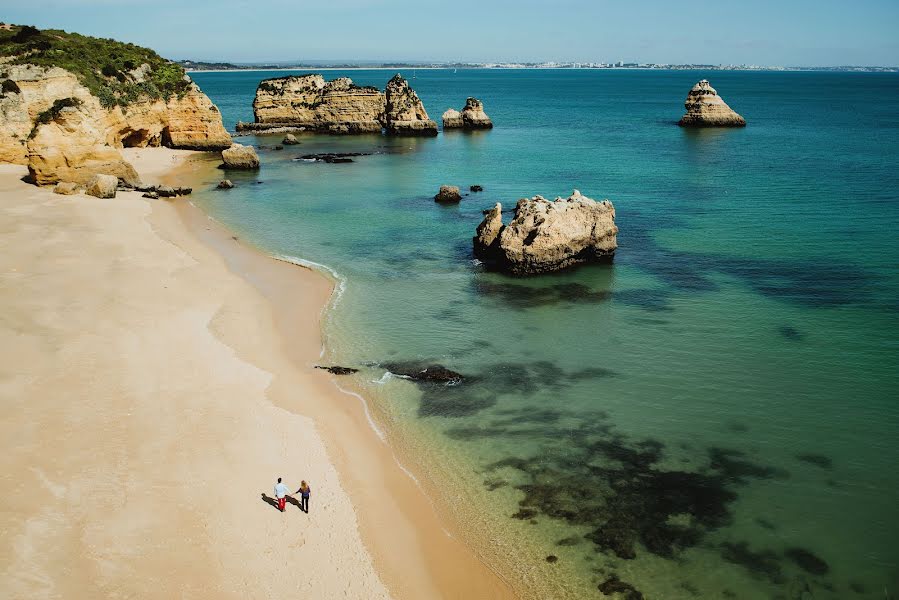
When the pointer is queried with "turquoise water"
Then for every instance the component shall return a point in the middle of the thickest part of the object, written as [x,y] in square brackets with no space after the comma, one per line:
[714,415]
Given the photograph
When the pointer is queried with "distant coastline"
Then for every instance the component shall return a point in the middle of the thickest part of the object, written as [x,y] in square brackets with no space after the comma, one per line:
[201,66]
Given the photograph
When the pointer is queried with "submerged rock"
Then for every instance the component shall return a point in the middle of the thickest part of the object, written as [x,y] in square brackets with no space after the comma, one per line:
[289,140]
[614,585]
[404,113]
[102,186]
[476,188]
[225,184]
[337,370]
[705,108]
[331,157]
[448,193]
[807,561]
[429,373]
[239,156]
[546,235]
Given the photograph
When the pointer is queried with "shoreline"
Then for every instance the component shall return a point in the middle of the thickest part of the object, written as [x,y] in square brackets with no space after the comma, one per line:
[407,530]
[372,532]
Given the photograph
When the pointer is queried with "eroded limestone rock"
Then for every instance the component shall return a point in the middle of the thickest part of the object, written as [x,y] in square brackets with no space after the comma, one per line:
[404,113]
[239,156]
[546,235]
[102,186]
[705,108]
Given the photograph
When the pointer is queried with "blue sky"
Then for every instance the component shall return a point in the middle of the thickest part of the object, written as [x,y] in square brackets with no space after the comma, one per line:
[785,32]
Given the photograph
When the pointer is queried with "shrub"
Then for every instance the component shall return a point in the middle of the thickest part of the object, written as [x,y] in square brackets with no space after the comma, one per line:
[10,87]
[52,113]
[102,65]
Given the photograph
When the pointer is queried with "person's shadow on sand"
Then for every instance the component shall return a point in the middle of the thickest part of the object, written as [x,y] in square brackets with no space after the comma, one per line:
[274,503]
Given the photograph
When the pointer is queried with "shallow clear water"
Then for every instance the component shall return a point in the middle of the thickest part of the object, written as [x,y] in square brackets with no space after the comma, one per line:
[716,412]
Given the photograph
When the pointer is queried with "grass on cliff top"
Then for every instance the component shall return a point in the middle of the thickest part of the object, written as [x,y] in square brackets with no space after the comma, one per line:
[103,66]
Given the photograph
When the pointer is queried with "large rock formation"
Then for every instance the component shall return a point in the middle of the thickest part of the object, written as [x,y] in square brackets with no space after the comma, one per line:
[404,113]
[309,102]
[705,108]
[471,117]
[102,186]
[547,235]
[67,125]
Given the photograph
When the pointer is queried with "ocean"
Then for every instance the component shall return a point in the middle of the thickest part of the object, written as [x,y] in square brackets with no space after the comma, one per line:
[715,414]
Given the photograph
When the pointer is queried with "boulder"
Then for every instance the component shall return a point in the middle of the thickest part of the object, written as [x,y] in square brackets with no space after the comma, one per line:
[448,193]
[66,188]
[705,108]
[289,140]
[404,113]
[102,186]
[152,195]
[545,236]
[239,156]
[311,103]
[225,184]
[474,117]
[452,119]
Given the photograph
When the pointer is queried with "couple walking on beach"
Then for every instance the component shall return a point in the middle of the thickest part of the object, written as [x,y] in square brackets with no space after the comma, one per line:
[281,492]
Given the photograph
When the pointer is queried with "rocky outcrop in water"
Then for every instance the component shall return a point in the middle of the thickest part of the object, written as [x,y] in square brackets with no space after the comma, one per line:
[56,126]
[705,108]
[471,117]
[448,193]
[311,103]
[240,157]
[404,113]
[546,235]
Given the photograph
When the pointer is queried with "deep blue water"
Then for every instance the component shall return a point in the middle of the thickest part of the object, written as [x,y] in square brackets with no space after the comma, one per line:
[713,414]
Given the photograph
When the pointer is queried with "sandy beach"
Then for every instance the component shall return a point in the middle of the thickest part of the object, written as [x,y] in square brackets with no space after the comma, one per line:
[157,376]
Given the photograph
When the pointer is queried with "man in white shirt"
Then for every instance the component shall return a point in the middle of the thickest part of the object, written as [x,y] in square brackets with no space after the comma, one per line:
[281,491]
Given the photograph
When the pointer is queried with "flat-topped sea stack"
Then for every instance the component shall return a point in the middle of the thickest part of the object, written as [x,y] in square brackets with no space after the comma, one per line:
[405,114]
[705,108]
[471,117]
[68,124]
[547,235]
[311,103]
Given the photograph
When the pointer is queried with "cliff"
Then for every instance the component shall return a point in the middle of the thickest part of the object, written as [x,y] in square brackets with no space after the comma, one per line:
[705,108]
[308,101]
[471,117]
[339,106]
[68,121]
[546,235]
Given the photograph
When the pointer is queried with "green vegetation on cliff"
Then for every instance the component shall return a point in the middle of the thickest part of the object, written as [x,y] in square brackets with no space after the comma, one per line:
[113,71]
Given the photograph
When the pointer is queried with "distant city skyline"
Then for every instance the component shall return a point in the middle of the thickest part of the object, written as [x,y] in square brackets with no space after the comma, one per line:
[794,33]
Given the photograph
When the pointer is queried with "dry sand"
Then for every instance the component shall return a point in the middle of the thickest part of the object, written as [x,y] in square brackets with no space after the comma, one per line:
[149,401]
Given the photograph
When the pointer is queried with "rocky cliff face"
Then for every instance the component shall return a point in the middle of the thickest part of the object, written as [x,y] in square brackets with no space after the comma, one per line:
[546,235]
[471,117]
[308,101]
[51,122]
[405,114]
[705,108]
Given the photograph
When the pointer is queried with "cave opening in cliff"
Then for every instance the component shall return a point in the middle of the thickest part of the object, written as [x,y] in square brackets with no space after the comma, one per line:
[137,138]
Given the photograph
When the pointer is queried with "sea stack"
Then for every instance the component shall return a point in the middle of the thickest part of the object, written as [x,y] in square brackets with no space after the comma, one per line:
[545,236]
[471,117]
[310,103]
[705,108]
[405,114]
